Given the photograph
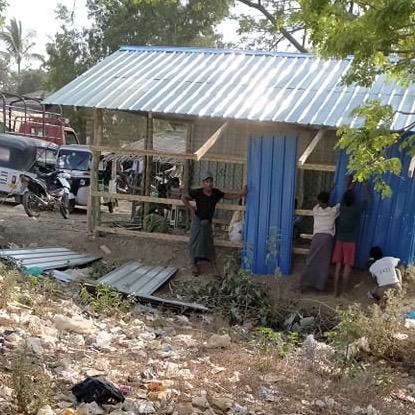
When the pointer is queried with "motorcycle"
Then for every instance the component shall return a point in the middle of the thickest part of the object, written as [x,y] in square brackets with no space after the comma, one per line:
[46,192]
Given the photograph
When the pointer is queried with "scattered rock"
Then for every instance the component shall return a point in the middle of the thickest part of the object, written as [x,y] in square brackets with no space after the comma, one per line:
[218,341]
[79,325]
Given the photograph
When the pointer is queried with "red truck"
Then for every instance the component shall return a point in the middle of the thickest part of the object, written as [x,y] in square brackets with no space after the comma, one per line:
[28,116]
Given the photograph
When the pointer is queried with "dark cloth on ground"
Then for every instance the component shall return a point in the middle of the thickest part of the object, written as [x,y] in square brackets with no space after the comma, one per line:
[316,269]
[201,240]
[205,205]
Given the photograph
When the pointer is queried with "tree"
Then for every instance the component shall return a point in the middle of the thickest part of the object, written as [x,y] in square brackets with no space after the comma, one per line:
[18,45]
[275,25]
[129,22]
[380,34]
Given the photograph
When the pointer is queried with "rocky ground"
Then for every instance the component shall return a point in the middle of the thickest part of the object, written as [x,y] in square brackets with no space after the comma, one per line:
[168,363]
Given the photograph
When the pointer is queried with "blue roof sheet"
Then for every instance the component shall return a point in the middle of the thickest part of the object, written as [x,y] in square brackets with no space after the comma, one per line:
[243,85]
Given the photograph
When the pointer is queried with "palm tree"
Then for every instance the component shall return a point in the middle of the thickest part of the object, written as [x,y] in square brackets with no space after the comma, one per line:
[17,45]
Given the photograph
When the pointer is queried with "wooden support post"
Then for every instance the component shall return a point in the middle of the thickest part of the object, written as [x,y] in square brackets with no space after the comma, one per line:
[211,141]
[94,206]
[311,147]
[148,145]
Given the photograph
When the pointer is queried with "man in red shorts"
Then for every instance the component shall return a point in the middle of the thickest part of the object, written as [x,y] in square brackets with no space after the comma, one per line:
[348,226]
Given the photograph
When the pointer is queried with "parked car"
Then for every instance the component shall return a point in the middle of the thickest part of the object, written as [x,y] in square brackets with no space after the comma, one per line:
[23,155]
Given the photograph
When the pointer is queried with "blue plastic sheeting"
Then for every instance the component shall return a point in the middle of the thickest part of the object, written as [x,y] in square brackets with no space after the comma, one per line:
[270,204]
[388,223]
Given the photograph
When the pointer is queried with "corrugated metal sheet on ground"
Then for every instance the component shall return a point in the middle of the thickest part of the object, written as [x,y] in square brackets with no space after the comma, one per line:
[243,85]
[141,281]
[137,279]
[47,258]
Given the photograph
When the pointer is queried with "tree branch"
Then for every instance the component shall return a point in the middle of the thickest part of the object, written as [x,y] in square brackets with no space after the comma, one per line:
[258,6]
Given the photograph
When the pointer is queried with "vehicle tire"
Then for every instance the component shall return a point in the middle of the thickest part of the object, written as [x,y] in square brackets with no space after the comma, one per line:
[71,205]
[31,204]
[64,206]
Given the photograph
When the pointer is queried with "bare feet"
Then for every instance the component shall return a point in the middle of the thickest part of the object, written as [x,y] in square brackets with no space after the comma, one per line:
[195,270]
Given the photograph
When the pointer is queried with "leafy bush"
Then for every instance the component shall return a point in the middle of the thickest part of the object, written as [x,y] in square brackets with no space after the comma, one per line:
[237,296]
[105,300]
[31,385]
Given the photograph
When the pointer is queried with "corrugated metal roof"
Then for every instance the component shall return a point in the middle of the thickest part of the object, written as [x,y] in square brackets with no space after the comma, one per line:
[137,279]
[47,258]
[245,85]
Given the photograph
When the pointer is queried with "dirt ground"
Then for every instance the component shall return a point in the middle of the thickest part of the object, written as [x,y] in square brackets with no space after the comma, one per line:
[50,229]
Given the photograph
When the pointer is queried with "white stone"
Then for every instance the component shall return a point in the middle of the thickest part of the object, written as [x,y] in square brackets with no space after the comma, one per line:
[79,325]
[34,344]
[45,410]
[218,341]
[89,409]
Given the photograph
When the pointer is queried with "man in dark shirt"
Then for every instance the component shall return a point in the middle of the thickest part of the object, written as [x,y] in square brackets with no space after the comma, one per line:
[201,245]
[348,229]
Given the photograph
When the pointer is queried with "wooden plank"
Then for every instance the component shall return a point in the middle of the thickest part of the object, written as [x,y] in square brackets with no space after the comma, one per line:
[211,141]
[178,238]
[162,236]
[159,200]
[311,147]
[411,167]
[303,212]
[300,251]
[165,154]
[94,211]
[317,167]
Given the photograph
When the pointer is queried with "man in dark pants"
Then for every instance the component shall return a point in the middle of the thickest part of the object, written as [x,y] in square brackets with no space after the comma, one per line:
[201,244]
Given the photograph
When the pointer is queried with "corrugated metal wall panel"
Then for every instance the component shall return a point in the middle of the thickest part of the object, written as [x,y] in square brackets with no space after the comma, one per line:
[270,204]
[388,223]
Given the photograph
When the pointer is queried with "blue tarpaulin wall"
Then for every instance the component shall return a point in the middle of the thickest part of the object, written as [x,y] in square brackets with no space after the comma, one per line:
[388,223]
[272,165]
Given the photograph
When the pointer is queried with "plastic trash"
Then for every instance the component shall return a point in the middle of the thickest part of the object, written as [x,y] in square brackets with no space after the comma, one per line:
[410,314]
[33,271]
[97,390]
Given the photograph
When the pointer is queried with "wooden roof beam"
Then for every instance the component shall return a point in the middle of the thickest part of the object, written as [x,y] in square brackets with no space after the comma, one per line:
[311,147]
[211,141]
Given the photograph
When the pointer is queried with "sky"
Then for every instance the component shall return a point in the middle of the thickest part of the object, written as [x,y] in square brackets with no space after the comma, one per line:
[39,15]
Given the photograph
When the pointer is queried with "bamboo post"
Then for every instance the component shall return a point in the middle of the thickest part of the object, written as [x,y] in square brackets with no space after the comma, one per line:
[94,206]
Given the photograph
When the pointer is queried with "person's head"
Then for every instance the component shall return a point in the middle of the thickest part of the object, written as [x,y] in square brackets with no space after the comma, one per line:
[349,197]
[376,253]
[207,180]
[323,199]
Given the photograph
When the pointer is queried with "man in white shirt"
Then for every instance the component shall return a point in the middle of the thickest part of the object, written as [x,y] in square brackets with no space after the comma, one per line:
[315,273]
[384,270]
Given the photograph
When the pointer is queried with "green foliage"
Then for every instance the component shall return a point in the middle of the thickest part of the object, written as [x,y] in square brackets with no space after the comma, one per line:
[31,385]
[369,30]
[105,300]
[273,345]
[237,296]
[126,22]
[17,44]
[378,326]
[8,281]
[99,269]
[367,146]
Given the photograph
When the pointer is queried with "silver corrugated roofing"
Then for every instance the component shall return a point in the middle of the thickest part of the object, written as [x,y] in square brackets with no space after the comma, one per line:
[47,258]
[141,281]
[244,85]
[137,279]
